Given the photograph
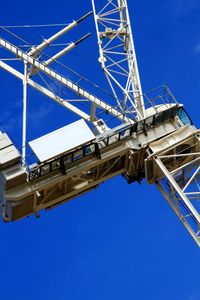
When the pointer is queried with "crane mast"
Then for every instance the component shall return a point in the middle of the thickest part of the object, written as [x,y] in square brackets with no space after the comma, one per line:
[155,138]
[118,56]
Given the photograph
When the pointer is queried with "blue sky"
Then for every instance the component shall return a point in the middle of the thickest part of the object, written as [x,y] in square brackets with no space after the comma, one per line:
[120,241]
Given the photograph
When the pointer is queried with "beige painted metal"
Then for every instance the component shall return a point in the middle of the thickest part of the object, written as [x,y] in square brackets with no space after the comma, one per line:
[174,165]
[48,191]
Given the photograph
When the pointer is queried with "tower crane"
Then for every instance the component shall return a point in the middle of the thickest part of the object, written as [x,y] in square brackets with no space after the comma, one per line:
[152,137]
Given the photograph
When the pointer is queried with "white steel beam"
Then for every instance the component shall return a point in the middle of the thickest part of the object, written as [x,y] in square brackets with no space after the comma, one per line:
[24,125]
[118,56]
[45,91]
[175,194]
[179,215]
[173,165]
[65,50]
[63,80]
[37,50]
[177,188]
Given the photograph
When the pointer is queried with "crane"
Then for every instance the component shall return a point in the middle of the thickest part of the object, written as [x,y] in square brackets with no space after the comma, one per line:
[150,137]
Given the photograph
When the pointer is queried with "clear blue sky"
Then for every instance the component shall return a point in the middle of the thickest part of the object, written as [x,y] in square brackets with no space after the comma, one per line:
[120,241]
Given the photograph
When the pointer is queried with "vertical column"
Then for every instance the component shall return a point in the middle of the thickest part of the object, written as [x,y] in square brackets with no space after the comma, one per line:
[24,122]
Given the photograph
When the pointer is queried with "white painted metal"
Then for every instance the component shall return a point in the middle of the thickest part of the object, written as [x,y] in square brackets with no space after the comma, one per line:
[51,186]
[59,54]
[37,50]
[176,187]
[118,56]
[46,92]
[190,216]
[156,146]
[62,140]
[65,50]
[174,166]
[63,80]
[24,125]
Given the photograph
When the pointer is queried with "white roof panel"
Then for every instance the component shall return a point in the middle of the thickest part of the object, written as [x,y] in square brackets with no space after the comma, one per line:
[62,140]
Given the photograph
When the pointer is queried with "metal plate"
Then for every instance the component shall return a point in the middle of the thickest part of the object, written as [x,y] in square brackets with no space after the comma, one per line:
[62,140]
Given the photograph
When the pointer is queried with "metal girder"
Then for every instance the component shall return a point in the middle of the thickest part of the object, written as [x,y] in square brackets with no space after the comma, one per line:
[24,123]
[151,145]
[176,172]
[118,56]
[45,91]
[51,183]
[70,47]
[35,51]
[48,192]
[63,80]
[181,202]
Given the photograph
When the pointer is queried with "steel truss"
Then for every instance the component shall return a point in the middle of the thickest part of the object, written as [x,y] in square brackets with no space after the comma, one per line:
[118,57]
[67,177]
[154,141]
[56,76]
[76,182]
[176,172]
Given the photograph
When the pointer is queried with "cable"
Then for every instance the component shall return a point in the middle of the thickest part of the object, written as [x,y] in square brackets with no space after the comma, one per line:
[34,26]
[59,63]
[72,71]
[51,45]
[69,69]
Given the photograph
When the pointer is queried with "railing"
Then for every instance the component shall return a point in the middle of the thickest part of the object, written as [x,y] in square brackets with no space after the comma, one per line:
[156,97]
[93,149]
